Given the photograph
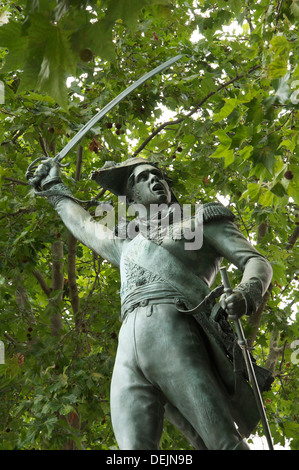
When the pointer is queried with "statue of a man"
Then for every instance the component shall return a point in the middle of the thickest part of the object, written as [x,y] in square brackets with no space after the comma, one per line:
[167,362]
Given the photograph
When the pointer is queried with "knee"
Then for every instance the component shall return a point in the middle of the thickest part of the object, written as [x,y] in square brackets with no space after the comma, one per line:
[242,445]
[231,443]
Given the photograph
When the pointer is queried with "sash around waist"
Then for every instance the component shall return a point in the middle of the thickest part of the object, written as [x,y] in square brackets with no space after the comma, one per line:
[152,291]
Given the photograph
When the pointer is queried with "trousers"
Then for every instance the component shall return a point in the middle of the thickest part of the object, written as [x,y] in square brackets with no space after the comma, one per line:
[162,358]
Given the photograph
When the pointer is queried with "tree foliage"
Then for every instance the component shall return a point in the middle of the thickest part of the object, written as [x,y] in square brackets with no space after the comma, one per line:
[230,131]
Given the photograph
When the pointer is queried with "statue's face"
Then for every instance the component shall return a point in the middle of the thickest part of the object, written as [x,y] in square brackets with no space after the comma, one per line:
[150,185]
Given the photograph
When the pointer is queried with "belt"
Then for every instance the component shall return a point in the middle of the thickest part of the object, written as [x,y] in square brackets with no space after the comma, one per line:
[144,303]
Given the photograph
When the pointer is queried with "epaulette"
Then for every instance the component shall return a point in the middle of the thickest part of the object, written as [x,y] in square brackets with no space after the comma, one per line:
[213,211]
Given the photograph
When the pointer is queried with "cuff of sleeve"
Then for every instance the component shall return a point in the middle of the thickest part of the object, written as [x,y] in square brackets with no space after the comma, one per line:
[252,292]
[48,183]
[56,193]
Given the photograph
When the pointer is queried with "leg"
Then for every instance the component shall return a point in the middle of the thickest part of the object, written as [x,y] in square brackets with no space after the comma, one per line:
[180,366]
[137,415]
[137,407]
[177,419]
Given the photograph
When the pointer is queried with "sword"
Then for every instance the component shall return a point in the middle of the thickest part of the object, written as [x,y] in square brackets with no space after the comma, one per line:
[81,133]
[250,370]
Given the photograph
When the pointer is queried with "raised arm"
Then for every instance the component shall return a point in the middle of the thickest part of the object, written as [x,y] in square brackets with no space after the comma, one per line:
[87,230]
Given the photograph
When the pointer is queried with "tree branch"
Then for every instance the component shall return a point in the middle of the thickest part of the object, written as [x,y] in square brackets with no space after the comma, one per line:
[275,351]
[79,163]
[293,238]
[193,111]
[43,145]
[42,282]
[262,229]
[72,252]
[57,285]
[255,318]
[14,180]
[71,268]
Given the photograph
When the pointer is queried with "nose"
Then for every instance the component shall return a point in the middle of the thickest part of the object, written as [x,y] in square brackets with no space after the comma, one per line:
[154,178]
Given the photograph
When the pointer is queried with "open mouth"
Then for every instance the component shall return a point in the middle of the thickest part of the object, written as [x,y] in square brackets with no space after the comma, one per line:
[158,187]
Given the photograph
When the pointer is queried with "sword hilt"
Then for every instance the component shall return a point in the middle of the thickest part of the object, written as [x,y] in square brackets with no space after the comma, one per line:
[228,290]
[35,180]
[225,280]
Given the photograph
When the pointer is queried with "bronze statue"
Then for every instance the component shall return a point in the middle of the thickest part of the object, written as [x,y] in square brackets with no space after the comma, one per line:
[170,363]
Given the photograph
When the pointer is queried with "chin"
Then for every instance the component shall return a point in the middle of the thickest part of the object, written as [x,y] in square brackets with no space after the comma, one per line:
[162,198]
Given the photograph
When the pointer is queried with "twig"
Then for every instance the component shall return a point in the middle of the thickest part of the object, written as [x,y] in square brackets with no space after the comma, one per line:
[193,111]
[43,145]
[100,194]
[10,338]
[244,225]
[14,180]
[248,18]
[282,354]
[282,125]
[278,13]
[20,211]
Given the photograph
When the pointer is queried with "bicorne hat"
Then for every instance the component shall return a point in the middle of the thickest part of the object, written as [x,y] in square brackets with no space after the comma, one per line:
[114,176]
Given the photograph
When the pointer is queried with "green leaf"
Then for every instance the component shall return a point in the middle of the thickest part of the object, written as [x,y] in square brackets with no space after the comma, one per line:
[220,151]
[252,191]
[278,67]
[226,110]
[279,190]
[223,137]
[53,61]
[282,88]
[264,155]
[246,152]
[266,198]
[279,48]
[98,39]
[207,84]
[295,8]
[279,45]
[129,11]
[229,157]
[11,37]
[50,423]
[278,272]
[39,97]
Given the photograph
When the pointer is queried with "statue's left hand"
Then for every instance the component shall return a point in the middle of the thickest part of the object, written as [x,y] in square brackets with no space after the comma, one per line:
[234,304]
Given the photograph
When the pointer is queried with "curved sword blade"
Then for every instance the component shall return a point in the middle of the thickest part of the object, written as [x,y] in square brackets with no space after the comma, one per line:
[81,133]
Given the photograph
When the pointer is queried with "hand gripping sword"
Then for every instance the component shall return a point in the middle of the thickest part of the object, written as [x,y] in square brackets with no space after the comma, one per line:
[250,370]
[81,133]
